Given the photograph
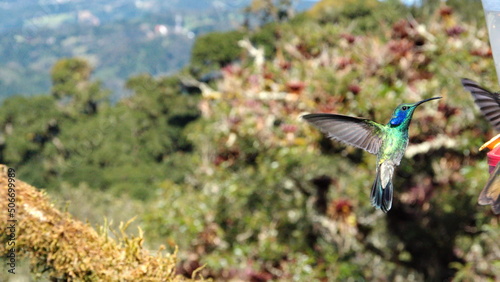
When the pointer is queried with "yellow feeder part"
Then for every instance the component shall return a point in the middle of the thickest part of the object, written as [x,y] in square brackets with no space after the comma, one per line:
[494,142]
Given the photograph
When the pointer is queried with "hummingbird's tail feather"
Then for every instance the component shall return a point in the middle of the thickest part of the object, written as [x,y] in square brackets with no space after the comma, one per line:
[381,197]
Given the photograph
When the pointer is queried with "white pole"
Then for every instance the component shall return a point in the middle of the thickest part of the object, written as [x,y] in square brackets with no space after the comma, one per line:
[492,14]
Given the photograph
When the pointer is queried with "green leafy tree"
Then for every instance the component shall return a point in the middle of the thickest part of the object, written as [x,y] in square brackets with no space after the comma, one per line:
[71,85]
[215,50]
[28,126]
[270,10]
[130,146]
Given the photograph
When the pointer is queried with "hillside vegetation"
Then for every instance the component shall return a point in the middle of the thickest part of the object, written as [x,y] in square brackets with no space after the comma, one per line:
[66,249]
[227,171]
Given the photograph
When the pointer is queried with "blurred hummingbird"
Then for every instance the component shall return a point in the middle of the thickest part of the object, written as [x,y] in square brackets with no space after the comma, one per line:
[489,104]
[388,142]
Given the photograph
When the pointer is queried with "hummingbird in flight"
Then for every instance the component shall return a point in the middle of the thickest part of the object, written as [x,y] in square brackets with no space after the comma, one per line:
[388,142]
[489,104]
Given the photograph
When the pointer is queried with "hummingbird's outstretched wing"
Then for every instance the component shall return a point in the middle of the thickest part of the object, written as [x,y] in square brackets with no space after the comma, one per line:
[491,192]
[358,132]
[488,102]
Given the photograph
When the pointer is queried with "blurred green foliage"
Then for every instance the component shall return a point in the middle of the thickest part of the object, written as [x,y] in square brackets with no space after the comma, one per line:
[266,37]
[240,183]
[215,50]
[360,16]
[76,136]
[71,85]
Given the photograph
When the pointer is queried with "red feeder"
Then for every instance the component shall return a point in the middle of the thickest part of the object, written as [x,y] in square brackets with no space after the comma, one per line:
[493,158]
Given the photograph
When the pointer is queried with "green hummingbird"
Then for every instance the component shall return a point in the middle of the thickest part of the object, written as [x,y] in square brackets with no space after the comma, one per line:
[388,142]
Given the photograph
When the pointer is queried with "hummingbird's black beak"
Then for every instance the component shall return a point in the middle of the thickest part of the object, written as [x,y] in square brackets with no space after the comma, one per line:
[426,100]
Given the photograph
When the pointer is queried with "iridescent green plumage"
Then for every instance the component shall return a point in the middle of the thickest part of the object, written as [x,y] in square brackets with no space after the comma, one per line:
[388,142]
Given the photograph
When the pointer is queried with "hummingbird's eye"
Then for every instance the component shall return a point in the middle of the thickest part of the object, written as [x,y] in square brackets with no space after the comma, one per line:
[404,108]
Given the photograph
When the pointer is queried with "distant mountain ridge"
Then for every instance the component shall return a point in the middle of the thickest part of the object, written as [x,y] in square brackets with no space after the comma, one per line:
[119,37]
